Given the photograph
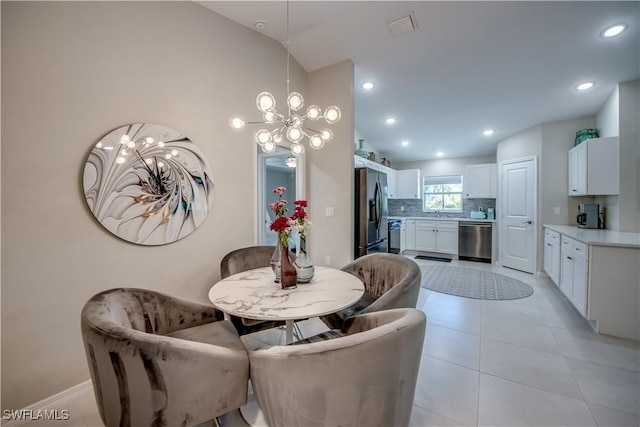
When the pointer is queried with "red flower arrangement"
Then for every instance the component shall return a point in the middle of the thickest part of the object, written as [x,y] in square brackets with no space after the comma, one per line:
[284,225]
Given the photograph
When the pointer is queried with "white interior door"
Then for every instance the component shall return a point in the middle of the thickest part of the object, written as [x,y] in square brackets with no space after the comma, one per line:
[273,172]
[518,221]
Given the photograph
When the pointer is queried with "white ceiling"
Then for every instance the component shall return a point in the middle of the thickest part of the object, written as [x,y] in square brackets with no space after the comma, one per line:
[469,65]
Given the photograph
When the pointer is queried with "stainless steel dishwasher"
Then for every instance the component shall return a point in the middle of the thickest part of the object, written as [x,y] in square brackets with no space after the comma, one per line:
[474,241]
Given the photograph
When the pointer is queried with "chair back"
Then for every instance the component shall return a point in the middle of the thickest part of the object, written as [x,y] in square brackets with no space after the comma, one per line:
[244,259]
[159,360]
[367,377]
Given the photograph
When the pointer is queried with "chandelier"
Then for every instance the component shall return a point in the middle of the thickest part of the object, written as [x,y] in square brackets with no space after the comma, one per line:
[293,126]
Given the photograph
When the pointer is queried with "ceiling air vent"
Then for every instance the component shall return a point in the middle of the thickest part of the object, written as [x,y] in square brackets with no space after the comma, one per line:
[403,25]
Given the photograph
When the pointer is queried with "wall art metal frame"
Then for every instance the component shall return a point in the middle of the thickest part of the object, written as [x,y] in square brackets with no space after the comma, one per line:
[148,184]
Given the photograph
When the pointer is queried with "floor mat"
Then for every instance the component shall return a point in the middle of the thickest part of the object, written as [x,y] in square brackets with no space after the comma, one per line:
[433,258]
[473,283]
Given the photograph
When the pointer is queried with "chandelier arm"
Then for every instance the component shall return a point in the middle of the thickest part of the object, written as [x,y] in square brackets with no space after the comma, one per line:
[278,130]
[312,130]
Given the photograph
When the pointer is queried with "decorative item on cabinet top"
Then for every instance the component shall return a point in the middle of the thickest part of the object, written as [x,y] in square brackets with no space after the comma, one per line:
[147,184]
[584,134]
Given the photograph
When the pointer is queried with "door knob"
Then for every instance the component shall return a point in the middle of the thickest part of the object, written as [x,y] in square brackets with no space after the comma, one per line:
[528,222]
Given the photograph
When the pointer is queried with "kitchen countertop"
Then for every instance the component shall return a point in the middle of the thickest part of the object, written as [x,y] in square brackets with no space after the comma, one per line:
[442,218]
[598,237]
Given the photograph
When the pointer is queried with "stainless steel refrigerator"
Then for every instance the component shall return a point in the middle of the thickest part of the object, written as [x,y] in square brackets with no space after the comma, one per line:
[371,209]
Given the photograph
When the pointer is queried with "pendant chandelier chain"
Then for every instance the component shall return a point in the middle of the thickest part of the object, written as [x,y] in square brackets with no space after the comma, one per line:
[294,127]
[288,55]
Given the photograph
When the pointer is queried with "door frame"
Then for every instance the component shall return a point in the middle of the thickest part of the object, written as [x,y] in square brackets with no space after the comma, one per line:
[261,179]
[500,202]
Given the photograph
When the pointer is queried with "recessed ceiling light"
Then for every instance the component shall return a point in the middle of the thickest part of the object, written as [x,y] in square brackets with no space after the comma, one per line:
[614,30]
[439,154]
[585,86]
[488,132]
[404,143]
[390,120]
[367,85]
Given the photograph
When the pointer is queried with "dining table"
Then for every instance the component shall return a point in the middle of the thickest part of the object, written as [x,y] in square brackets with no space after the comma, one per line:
[253,294]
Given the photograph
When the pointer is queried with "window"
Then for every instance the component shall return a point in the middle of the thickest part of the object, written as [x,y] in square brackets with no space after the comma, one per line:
[442,193]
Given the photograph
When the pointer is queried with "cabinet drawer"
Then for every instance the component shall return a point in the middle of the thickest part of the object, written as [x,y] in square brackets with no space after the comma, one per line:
[580,249]
[552,236]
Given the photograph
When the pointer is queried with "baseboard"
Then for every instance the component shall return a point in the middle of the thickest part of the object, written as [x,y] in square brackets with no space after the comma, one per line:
[50,403]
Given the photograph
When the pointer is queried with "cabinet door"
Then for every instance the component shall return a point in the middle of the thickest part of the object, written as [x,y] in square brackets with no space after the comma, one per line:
[555,263]
[566,275]
[391,183]
[480,181]
[408,184]
[410,235]
[579,289]
[426,236]
[548,256]
[447,237]
[578,170]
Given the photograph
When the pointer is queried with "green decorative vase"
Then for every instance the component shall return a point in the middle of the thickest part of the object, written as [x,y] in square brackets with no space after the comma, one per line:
[361,151]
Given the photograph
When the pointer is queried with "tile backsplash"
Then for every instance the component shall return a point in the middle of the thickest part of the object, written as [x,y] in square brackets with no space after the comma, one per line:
[413,207]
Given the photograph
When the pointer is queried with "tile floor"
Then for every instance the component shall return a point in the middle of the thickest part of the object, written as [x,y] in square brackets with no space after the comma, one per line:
[527,362]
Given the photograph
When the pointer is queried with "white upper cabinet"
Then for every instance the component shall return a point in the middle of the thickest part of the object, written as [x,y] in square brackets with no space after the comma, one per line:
[594,167]
[480,181]
[408,184]
[391,182]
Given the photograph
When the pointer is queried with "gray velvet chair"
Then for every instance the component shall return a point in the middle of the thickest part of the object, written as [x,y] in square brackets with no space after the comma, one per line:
[390,281]
[365,378]
[159,361]
[244,259]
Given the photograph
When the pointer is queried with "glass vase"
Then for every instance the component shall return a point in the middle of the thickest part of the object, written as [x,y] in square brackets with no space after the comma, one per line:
[288,273]
[303,264]
[275,261]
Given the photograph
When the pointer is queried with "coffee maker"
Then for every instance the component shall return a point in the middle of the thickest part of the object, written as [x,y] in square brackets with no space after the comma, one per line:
[589,216]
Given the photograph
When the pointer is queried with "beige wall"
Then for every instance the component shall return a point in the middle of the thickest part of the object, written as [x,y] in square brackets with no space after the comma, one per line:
[330,171]
[73,71]
[454,166]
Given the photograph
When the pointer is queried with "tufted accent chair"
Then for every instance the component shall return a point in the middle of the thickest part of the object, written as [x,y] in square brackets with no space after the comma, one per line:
[365,378]
[390,281]
[160,361]
[244,259]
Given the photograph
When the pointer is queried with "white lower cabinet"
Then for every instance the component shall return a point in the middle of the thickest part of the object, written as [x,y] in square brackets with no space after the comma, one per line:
[552,255]
[574,272]
[410,235]
[436,236]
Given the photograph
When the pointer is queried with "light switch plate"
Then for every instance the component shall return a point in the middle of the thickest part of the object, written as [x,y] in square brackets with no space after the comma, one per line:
[328,211]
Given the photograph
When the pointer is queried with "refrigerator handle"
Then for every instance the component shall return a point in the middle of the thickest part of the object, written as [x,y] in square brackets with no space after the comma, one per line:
[378,202]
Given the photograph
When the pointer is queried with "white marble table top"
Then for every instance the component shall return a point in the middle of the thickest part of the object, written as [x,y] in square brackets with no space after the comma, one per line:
[254,295]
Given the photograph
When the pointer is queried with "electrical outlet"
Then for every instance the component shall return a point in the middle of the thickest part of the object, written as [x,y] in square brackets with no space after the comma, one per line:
[327,260]
[556,211]
[401,208]
[328,211]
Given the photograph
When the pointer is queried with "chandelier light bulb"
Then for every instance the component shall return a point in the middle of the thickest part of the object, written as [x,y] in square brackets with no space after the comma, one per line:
[269,117]
[316,142]
[297,149]
[277,138]
[295,120]
[174,153]
[313,112]
[265,102]
[131,144]
[263,136]
[332,114]
[294,134]
[120,160]
[124,139]
[161,144]
[148,140]
[295,101]
[269,147]
[237,123]
[326,134]
[291,161]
